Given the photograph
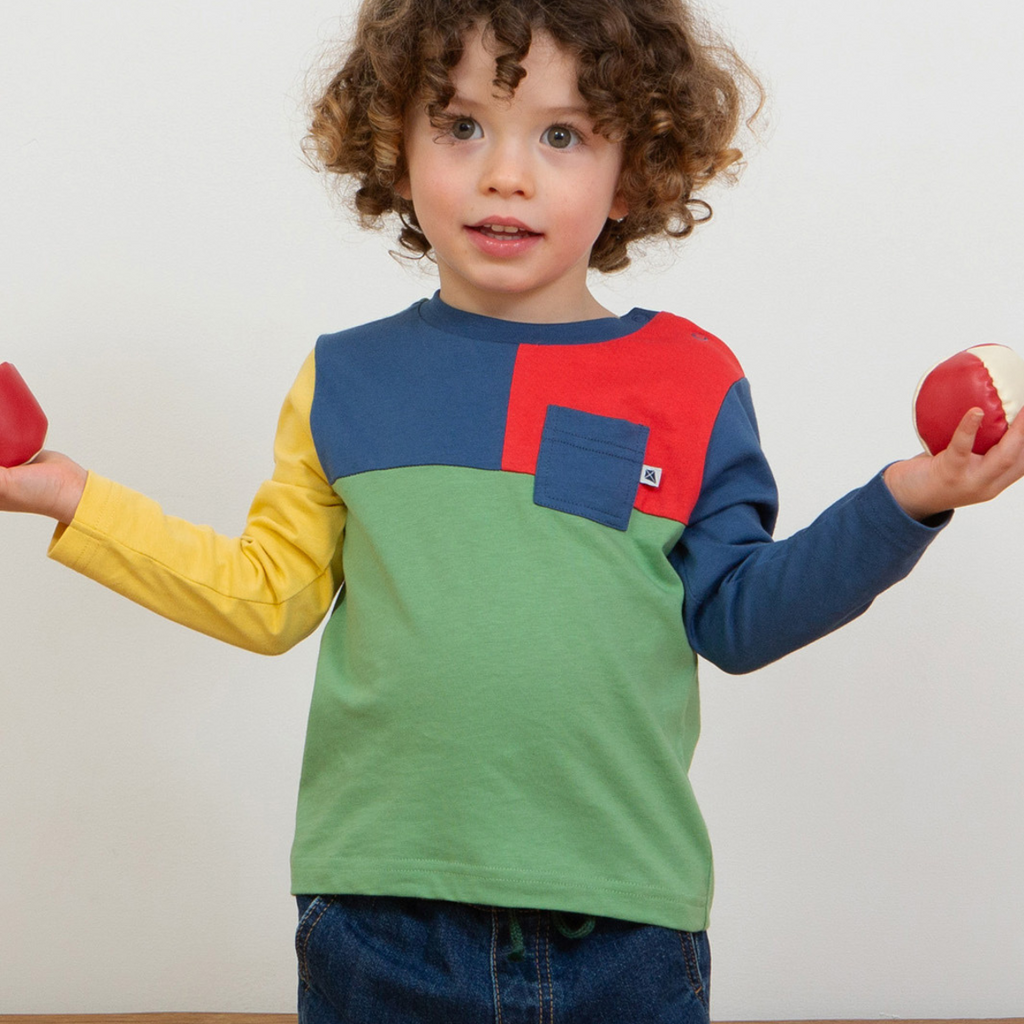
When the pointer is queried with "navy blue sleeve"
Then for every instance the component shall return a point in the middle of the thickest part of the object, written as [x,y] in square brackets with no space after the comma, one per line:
[749,599]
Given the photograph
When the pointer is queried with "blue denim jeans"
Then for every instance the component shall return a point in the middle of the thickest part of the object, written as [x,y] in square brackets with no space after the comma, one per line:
[385,960]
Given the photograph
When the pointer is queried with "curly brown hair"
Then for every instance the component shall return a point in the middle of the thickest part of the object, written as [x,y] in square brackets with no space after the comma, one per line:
[650,72]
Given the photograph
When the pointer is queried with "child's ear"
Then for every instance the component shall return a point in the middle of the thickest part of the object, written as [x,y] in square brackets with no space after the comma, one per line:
[619,207]
[402,187]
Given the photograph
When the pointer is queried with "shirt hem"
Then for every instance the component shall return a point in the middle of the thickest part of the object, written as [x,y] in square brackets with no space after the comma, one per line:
[496,887]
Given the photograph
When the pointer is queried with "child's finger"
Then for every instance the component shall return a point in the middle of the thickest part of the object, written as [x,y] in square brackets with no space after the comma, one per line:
[962,442]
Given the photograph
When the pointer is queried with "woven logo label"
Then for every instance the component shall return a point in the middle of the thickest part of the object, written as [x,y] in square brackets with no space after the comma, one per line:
[651,476]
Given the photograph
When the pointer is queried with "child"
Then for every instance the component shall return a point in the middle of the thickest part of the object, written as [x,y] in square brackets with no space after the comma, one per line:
[542,513]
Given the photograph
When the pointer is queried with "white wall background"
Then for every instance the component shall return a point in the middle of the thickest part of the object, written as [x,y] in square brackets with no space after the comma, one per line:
[167,262]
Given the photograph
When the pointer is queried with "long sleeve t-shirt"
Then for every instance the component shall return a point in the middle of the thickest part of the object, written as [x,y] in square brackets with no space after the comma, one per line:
[525,535]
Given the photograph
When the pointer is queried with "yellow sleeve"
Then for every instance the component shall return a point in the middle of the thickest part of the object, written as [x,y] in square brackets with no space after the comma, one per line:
[265,590]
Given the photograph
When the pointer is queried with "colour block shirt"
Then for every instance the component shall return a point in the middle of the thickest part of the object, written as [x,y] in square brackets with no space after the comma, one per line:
[525,535]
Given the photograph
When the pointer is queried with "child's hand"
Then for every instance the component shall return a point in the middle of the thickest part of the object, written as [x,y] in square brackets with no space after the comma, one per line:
[50,485]
[929,484]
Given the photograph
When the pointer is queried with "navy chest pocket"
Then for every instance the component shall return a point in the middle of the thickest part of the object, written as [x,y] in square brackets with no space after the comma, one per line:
[589,465]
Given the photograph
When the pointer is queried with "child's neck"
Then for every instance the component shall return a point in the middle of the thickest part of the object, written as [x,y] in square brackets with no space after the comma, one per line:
[526,309]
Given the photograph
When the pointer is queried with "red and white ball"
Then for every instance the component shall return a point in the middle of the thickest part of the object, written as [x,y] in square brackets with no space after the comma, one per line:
[987,377]
[22,421]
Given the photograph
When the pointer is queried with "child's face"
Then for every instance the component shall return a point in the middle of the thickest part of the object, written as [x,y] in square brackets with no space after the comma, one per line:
[529,162]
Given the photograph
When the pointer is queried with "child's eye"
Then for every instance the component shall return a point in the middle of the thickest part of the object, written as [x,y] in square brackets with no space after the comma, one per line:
[465,129]
[561,136]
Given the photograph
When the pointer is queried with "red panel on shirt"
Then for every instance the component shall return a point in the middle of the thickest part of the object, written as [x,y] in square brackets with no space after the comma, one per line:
[670,376]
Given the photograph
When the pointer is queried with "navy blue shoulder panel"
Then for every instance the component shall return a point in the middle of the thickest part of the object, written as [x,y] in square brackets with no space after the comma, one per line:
[398,392]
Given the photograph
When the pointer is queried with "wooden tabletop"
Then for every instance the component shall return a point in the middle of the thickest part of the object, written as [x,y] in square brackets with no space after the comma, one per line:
[290,1018]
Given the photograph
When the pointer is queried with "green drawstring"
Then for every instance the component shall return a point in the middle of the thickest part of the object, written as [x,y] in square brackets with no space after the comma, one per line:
[518,948]
[573,933]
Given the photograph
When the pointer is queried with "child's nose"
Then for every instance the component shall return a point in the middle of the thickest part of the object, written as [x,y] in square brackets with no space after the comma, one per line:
[507,173]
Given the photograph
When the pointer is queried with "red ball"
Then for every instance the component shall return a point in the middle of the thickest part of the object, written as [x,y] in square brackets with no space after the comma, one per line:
[22,422]
[987,377]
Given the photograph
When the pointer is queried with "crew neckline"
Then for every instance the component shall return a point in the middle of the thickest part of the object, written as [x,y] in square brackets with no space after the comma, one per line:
[439,315]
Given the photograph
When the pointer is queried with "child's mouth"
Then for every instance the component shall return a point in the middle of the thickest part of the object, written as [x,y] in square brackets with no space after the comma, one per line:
[504,232]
